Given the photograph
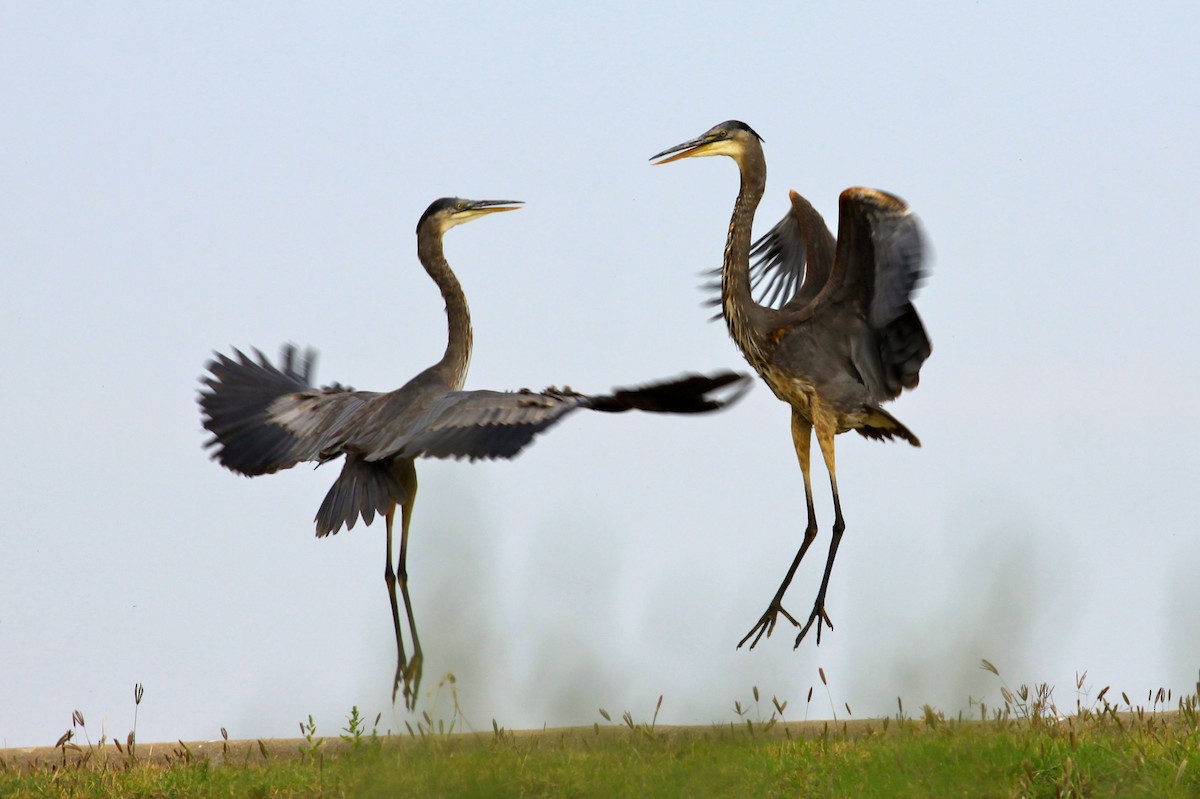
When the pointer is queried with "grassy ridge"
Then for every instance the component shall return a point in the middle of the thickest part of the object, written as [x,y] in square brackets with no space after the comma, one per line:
[1024,747]
[1094,754]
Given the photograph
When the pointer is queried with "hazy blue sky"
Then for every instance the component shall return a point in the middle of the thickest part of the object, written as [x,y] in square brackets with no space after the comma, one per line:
[177,178]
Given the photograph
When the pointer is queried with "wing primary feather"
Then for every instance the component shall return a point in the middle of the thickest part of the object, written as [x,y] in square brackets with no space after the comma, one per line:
[235,407]
[687,394]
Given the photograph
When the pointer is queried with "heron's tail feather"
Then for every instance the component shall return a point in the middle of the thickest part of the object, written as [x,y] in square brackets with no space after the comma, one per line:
[235,402]
[687,394]
[364,488]
[881,426]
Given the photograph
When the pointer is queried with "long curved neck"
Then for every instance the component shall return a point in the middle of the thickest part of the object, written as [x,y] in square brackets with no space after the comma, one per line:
[742,313]
[454,362]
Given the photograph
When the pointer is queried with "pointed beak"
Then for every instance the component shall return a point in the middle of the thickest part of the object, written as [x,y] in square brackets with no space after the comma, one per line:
[480,207]
[686,150]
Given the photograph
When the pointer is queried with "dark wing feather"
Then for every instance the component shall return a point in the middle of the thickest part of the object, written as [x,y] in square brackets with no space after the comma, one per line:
[791,261]
[266,418]
[321,420]
[497,424]
[880,262]
[899,264]
[690,393]
[879,258]
[480,424]
[794,258]
[234,406]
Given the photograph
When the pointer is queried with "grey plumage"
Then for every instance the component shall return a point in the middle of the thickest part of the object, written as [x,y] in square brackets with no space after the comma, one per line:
[265,418]
[882,263]
[236,410]
[827,323]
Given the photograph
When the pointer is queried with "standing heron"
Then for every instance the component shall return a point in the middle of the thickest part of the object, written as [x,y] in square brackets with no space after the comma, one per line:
[265,418]
[833,332]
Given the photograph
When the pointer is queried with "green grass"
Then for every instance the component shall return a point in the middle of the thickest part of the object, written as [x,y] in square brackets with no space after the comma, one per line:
[1023,748]
[1157,756]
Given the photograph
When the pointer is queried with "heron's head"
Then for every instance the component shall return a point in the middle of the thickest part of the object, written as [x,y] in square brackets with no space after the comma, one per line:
[447,212]
[732,138]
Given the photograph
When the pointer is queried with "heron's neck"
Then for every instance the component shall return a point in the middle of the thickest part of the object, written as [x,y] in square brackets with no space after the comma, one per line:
[458,317]
[739,308]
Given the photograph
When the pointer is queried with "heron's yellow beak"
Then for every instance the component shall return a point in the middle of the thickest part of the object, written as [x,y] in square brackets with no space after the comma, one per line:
[693,147]
[480,207]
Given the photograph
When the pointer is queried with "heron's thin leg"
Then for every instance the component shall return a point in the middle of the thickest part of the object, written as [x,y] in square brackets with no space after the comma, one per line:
[390,578]
[826,428]
[406,472]
[801,438]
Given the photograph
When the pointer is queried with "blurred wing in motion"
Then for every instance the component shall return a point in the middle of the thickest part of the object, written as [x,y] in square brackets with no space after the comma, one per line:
[880,263]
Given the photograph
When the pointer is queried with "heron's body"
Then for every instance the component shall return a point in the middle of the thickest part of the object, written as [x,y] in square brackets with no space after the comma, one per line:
[266,418]
[844,338]
[797,363]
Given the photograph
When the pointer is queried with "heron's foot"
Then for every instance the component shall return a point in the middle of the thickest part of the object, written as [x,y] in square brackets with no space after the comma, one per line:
[766,625]
[409,675]
[820,617]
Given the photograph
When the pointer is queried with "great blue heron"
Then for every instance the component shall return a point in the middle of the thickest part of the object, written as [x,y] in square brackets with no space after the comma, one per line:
[833,333]
[266,418]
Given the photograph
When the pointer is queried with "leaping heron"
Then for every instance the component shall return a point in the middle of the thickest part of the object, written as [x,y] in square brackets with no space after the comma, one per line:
[833,332]
[265,418]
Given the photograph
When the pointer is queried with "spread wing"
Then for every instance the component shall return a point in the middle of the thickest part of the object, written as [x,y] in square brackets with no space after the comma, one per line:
[791,261]
[479,424]
[880,255]
[879,264]
[264,418]
[499,424]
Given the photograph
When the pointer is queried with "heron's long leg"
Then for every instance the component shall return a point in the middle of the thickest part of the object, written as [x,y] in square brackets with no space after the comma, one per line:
[390,578]
[801,438]
[406,472]
[826,429]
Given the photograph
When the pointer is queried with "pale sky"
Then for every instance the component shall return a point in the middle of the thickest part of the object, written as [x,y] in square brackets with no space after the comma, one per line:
[178,178]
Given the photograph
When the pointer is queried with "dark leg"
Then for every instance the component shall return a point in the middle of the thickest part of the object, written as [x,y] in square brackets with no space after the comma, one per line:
[407,473]
[801,437]
[825,433]
[390,578]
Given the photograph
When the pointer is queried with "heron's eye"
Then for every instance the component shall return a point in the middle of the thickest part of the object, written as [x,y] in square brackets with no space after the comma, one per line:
[462,207]
[720,134]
